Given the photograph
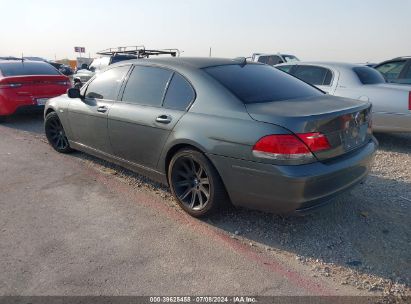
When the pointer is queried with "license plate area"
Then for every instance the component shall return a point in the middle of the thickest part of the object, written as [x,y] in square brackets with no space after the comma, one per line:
[354,137]
[41,101]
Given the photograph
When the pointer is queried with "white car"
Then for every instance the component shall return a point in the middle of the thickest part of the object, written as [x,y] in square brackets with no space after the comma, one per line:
[391,102]
[273,59]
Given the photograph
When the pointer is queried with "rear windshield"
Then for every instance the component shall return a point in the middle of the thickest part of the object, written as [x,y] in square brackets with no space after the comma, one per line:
[119,58]
[254,83]
[27,68]
[369,75]
[290,58]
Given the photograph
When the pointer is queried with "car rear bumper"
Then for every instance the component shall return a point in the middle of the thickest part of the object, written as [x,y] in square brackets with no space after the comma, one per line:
[286,189]
[391,122]
[28,103]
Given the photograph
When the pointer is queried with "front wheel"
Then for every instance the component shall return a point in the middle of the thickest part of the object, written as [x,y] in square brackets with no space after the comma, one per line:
[195,183]
[55,133]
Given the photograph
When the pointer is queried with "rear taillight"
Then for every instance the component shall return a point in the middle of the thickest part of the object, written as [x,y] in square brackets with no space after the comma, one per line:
[291,147]
[64,82]
[315,141]
[409,101]
[10,85]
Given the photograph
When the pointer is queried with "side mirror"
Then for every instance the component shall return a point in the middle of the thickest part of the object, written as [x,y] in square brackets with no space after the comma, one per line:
[73,93]
[92,69]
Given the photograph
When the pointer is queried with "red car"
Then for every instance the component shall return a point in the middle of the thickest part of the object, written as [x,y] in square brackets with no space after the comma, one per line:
[28,84]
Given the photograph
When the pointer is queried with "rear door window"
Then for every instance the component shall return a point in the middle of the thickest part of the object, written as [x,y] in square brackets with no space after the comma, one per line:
[285,68]
[368,75]
[408,73]
[391,70]
[314,75]
[270,60]
[22,68]
[254,83]
[107,84]
[179,94]
[146,85]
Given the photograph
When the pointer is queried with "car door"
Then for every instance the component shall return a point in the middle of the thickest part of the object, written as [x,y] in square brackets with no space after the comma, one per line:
[153,101]
[88,116]
[320,77]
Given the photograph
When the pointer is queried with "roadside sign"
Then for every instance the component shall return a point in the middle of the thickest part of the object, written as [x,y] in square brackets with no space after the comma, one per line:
[79,49]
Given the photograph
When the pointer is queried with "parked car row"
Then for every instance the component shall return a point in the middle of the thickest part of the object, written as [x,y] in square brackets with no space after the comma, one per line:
[282,139]
[114,55]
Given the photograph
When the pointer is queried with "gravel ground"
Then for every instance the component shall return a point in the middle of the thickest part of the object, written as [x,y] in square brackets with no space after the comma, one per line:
[363,239]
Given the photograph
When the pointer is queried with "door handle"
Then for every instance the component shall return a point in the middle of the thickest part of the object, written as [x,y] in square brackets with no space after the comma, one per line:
[102,109]
[165,119]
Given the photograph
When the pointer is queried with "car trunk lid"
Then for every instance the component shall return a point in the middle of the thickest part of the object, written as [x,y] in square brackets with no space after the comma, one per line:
[23,88]
[345,122]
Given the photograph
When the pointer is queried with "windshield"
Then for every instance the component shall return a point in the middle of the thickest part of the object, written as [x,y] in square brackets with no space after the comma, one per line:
[21,68]
[369,75]
[254,83]
[290,58]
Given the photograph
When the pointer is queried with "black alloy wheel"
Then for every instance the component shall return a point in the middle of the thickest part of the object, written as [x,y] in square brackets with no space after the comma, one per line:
[195,183]
[55,133]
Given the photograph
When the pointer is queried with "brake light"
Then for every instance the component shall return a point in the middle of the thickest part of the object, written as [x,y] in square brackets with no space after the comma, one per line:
[290,147]
[10,85]
[315,141]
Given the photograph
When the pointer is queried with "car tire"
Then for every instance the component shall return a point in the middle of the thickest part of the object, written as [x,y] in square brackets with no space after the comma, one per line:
[195,183]
[3,118]
[55,133]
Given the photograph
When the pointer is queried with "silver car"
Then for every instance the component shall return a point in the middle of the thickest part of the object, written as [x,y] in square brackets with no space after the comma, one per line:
[391,102]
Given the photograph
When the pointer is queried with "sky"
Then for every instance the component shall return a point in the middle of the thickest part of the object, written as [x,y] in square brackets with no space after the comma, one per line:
[327,30]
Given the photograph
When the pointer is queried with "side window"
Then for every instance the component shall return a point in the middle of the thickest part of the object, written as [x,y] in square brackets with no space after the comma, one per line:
[146,85]
[285,68]
[391,70]
[270,60]
[179,94]
[107,84]
[313,75]
[408,74]
[328,78]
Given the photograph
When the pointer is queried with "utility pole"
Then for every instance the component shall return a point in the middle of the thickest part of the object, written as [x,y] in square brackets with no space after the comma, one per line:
[210,52]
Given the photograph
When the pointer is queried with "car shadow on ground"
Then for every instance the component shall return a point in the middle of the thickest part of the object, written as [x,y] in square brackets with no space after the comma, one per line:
[394,142]
[30,122]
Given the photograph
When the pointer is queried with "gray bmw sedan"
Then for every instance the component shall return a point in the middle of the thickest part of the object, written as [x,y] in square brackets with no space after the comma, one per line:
[217,131]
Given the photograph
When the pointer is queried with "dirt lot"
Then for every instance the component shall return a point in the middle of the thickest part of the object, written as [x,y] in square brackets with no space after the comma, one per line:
[361,242]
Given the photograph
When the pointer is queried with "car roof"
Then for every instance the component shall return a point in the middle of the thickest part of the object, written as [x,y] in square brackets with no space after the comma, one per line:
[343,65]
[187,62]
[22,61]
[400,57]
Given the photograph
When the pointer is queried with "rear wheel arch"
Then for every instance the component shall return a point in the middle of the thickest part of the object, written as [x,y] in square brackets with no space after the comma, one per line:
[174,149]
[48,111]
[180,146]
